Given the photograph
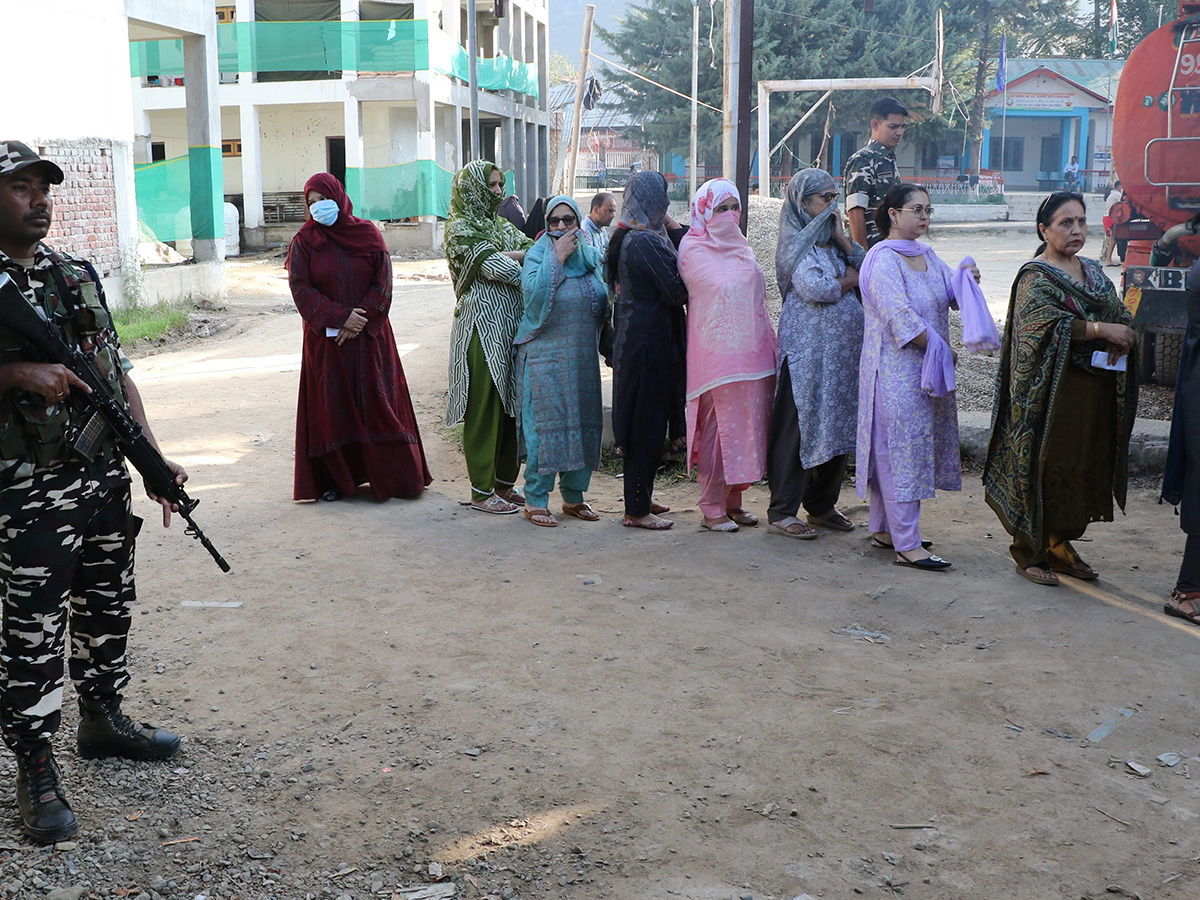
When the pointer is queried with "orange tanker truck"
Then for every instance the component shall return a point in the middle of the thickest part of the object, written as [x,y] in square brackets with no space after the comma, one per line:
[1156,154]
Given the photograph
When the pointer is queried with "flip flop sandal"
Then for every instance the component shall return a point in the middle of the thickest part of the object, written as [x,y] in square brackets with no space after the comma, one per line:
[928,564]
[742,517]
[497,506]
[727,527]
[880,545]
[1174,608]
[1082,571]
[581,511]
[781,528]
[656,525]
[1037,579]
[535,513]
[832,519]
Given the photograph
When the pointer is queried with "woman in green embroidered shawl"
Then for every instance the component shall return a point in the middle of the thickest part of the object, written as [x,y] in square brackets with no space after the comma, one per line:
[1059,448]
[485,253]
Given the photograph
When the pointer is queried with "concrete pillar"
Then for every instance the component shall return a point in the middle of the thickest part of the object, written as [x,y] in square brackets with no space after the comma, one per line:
[352,125]
[125,205]
[452,19]
[204,146]
[1085,161]
[529,161]
[508,153]
[985,151]
[526,178]
[543,104]
[458,138]
[544,154]
[141,137]
[426,118]
[254,229]
[244,12]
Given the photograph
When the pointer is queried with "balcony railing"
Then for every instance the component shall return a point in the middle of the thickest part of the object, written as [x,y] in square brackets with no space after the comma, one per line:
[330,48]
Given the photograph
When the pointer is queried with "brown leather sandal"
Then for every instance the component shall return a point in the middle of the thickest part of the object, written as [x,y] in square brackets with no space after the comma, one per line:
[581,511]
[534,514]
[1174,606]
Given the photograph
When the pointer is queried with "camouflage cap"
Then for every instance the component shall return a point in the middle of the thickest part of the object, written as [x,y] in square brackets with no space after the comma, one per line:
[15,156]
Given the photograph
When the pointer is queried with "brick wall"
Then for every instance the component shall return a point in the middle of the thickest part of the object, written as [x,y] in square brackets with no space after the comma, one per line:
[85,217]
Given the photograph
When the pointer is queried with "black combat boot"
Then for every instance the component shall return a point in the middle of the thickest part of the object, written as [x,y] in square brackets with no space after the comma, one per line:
[44,808]
[106,731]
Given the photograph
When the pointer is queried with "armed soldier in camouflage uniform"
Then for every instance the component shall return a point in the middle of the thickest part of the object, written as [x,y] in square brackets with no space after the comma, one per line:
[872,170]
[66,529]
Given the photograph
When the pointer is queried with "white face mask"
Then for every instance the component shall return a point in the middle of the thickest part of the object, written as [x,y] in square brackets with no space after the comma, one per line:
[324,211]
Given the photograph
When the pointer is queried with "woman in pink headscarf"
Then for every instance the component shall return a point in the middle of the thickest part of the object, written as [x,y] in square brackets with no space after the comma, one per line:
[730,356]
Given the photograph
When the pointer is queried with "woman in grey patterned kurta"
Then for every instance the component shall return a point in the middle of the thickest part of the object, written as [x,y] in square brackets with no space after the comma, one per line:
[820,339]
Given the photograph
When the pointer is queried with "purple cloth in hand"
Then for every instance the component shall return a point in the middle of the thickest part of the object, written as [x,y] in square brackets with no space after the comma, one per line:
[937,370]
[979,330]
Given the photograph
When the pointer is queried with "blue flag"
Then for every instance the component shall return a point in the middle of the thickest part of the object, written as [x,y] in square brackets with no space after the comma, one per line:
[1002,69]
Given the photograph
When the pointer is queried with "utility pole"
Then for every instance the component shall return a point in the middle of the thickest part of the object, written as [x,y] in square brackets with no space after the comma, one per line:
[577,120]
[730,105]
[692,181]
[473,77]
[745,88]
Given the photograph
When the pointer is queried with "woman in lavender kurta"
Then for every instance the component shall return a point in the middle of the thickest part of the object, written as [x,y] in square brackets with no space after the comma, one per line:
[820,340]
[907,436]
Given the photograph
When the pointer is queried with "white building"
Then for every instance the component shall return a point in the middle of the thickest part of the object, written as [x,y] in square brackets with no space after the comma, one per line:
[373,91]
[73,105]
[1051,110]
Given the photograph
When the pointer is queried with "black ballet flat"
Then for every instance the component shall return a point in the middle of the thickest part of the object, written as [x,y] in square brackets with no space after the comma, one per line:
[928,564]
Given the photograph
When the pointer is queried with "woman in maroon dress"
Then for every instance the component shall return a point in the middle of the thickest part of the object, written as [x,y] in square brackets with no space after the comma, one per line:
[354,421]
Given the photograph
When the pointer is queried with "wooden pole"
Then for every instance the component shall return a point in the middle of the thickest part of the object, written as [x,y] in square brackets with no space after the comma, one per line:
[692,156]
[577,120]
[473,77]
[745,87]
[729,106]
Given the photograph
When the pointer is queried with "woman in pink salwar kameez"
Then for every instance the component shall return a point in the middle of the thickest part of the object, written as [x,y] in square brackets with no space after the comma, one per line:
[730,357]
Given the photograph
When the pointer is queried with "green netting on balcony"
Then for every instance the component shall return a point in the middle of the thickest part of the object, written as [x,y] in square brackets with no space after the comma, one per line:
[180,199]
[420,188]
[383,193]
[500,73]
[378,46]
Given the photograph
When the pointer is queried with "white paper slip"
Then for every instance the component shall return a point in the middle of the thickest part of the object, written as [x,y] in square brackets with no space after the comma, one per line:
[332,332]
[220,604]
[1100,361]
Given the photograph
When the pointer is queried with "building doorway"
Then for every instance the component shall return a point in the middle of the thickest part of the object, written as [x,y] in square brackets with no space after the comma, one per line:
[1051,160]
[335,158]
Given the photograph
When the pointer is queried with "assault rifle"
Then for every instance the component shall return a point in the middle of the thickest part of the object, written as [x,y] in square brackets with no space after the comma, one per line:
[20,317]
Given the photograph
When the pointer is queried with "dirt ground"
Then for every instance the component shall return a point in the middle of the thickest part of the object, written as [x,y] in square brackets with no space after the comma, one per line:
[599,712]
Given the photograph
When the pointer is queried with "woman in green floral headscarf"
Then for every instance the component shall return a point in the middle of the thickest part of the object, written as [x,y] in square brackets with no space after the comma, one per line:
[485,253]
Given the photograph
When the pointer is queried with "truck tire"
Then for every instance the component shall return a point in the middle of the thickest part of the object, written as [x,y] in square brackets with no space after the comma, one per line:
[1159,352]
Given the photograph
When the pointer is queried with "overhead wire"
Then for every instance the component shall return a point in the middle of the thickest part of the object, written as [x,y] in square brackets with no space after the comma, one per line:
[687,97]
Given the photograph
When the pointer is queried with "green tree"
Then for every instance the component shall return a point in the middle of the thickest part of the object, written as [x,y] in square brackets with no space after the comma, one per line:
[562,70]
[981,23]
[792,39]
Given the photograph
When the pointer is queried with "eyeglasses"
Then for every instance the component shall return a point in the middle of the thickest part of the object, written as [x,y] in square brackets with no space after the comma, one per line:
[921,212]
[562,220]
[828,196]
